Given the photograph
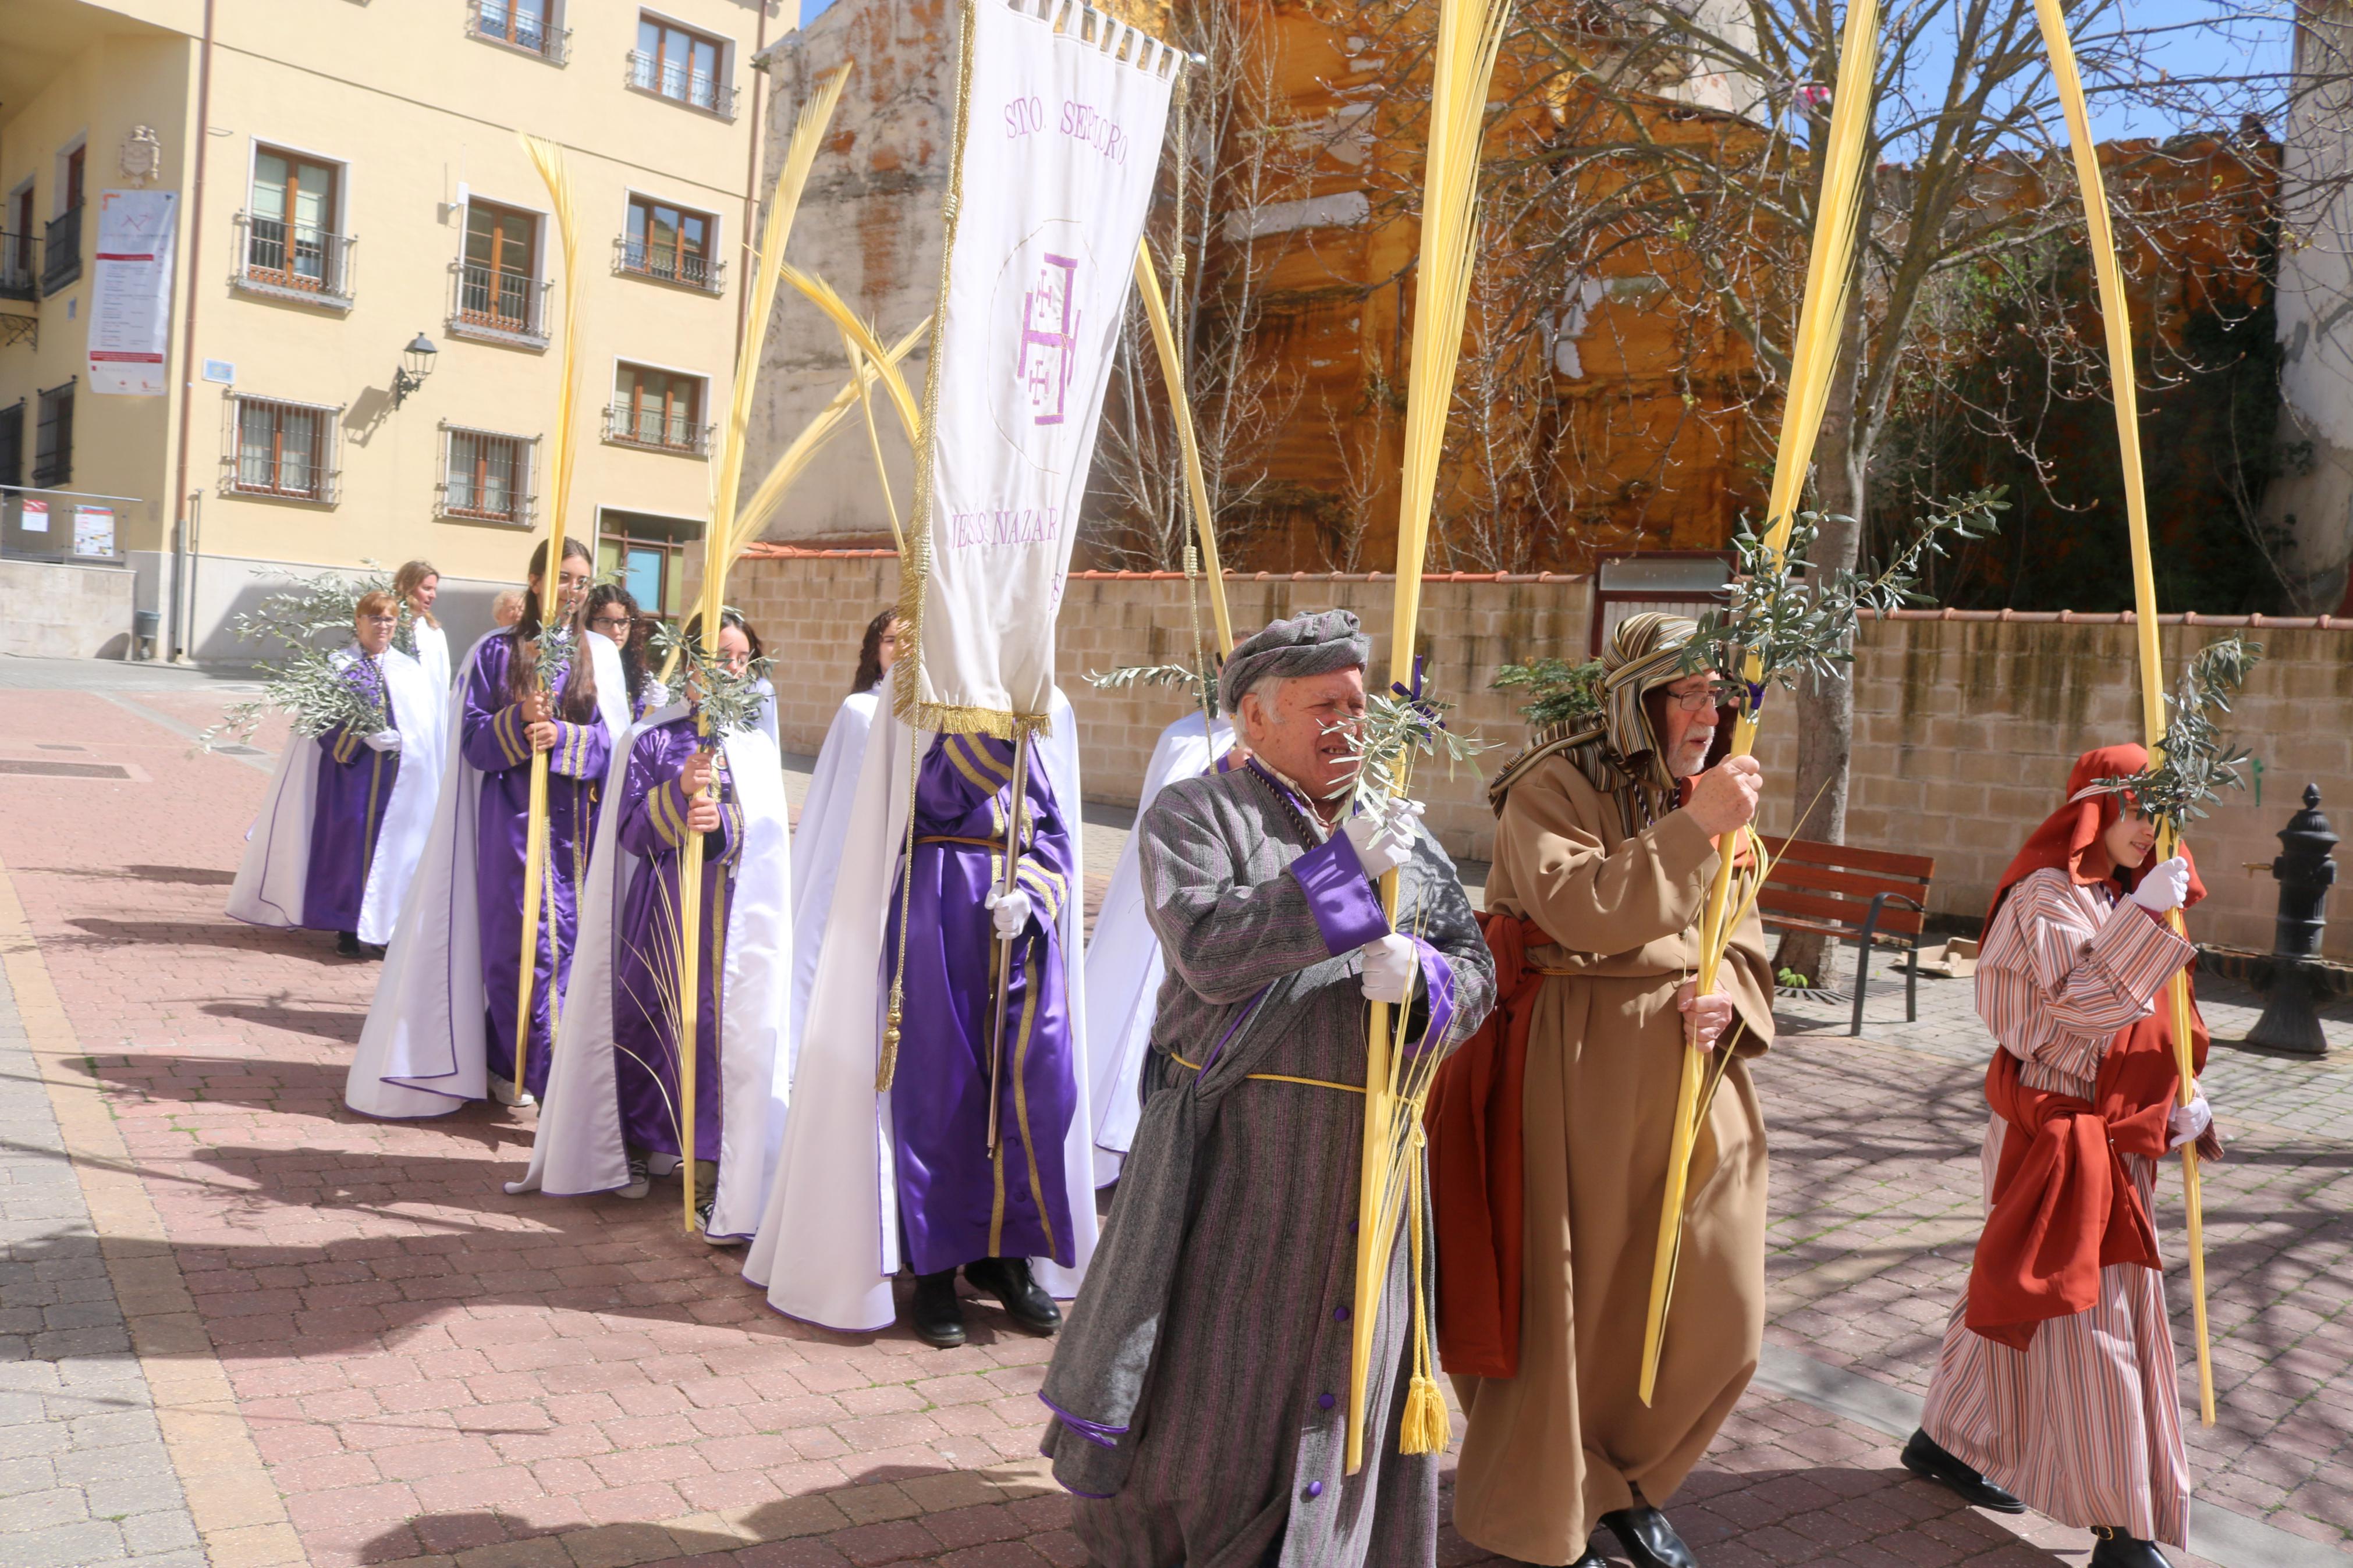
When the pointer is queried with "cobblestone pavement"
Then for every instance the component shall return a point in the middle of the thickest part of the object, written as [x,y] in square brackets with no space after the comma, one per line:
[362,1351]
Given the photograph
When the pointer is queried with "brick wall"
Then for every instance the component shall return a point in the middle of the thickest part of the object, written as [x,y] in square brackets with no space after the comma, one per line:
[1965,724]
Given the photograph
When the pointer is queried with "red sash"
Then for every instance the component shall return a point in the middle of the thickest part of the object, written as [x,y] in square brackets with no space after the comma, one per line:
[2065,1206]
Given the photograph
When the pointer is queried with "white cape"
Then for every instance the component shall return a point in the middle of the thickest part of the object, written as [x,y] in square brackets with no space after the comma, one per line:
[577,1148]
[421,1052]
[828,1241]
[1123,963]
[277,866]
[433,653]
[816,844]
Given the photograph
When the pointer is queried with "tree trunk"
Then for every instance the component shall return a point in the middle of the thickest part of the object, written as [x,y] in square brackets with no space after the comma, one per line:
[1824,711]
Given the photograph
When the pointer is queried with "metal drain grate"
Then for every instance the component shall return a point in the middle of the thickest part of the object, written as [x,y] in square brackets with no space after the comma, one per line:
[64,770]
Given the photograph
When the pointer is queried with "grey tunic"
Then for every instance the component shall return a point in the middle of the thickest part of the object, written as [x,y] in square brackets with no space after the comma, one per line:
[1200,1388]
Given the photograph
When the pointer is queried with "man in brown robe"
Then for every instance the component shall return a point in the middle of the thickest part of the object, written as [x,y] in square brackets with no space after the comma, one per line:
[1593,849]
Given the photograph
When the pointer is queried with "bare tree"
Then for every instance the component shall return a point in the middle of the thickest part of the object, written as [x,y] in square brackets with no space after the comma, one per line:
[1243,161]
[1683,138]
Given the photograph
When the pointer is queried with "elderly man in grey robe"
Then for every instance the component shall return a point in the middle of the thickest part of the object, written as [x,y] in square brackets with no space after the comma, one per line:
[1201,1391]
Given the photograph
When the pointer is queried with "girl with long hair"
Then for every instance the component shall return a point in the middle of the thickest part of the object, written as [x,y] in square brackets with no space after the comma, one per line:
[508,716]
[613,613]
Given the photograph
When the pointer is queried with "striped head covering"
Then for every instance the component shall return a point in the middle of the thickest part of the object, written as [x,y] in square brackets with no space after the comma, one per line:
[1645,652]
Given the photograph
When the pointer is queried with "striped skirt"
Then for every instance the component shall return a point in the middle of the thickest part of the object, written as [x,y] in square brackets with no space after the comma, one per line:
[2084,1424]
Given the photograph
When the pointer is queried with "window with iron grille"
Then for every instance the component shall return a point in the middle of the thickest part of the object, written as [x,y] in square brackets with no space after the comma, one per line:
[671,243]
[291,450]
[53,437]
[12,445]
[657,408]
[683,66]
[486,475]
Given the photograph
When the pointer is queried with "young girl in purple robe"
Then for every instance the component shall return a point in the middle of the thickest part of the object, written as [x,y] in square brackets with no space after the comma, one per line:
[613,613]
[677,785]
[355,777]
[507,717]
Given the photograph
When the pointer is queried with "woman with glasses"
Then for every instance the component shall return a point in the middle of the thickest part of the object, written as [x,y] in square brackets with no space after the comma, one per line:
[615,1115]
[444,1026]
[339,833]
[613,613]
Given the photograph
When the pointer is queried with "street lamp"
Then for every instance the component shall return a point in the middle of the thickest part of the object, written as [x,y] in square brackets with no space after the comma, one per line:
[415,364]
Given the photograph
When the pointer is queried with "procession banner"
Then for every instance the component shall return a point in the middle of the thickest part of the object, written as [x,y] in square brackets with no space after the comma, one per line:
[1058,141]
[131,297]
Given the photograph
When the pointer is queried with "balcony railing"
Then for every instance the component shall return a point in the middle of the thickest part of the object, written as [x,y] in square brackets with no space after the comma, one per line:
[676,82]
[503,22]
[496,305]
[668,265]
[294,261]
[650,428]
[61,251]
[19,267]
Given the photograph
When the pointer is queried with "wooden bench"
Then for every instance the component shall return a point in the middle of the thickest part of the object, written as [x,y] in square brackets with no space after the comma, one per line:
[1862,896]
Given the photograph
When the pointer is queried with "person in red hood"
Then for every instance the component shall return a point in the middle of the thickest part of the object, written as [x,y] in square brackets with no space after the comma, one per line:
[2056,1388]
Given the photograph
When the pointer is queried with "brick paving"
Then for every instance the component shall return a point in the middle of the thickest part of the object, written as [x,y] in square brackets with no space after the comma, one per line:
[431,1371]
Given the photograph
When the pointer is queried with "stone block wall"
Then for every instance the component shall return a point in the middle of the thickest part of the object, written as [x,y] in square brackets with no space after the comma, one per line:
[1966,724]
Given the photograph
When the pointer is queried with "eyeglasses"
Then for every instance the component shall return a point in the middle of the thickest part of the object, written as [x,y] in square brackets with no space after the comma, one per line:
[383,620]
[1696,701]
[610,623]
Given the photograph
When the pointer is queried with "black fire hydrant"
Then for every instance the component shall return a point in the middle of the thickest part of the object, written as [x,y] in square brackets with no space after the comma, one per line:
[2305,869]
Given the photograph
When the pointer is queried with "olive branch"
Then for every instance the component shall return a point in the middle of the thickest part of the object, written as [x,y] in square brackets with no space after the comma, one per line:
[1777,627]
[309,621]
[730,702]
[1201,685]
[1562,696]
[1395,728]
[2195,764]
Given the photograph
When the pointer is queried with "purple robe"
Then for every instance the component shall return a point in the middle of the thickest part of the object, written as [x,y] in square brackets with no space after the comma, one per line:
[956,1203]
[347,815]
[493,740]
[652,827]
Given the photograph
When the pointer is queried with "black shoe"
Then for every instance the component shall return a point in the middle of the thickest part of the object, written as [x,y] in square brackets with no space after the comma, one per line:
[1647,1538]
[1007,1279]
[347,944]
[2117,1549]
[938,1317]
[1591,1560]
[374,949]
[1925,1459]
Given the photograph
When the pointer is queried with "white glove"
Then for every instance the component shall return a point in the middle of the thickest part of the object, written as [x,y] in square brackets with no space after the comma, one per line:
[384,739]
[1390,965]
[1384,838]
[2163,885]
[2188,1122]
[1009,910]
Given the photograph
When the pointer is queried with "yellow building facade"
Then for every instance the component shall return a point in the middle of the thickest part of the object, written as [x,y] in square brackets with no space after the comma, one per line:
[351,193]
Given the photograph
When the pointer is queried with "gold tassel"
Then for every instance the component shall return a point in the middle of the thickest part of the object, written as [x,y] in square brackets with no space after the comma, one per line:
[1426,1428]
[887,1068]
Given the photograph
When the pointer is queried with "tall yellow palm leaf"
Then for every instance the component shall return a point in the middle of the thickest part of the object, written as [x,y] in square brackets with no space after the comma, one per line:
[1470,32]
[1813,361]
[2116,315]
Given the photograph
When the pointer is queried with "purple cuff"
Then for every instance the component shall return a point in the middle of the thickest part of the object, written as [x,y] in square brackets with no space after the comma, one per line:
[1438,979]
[1094,1432]
[1341,897]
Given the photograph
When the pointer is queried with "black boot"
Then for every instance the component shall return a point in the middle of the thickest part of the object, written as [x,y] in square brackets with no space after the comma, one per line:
[1592,1559]
[1647,1538]
[347,944]
[1007,1279]
[2117,1549]
[1925,1459]
[938,1317]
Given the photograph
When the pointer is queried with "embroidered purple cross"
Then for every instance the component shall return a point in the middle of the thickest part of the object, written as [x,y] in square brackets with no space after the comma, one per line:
[1056,341]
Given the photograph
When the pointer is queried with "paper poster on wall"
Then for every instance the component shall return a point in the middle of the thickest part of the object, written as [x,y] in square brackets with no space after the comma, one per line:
[130,296]
[35,518]
[94,531]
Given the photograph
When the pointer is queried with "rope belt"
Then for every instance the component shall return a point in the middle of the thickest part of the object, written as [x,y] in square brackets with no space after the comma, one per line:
[1280,1078]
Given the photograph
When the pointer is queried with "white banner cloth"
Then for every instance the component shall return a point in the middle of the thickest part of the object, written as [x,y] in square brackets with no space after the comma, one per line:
[1061,144]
